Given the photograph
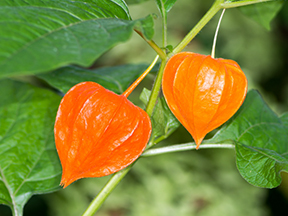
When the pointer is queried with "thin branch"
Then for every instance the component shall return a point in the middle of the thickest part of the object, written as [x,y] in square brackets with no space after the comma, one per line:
[104,193]
[216,33]
[129,90]
[183,147]
[199,26]
[156,89]
[241,3]
[157,49]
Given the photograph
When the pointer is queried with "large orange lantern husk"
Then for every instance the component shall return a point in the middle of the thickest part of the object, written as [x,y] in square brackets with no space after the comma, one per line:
[203,92]
[98,132]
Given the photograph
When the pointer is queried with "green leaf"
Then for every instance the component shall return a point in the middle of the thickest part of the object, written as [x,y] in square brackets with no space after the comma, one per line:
[261,138]
[40,36]
[284,119]
[165,6]
[146,26]
[263,13]
[28,160]
[145,95]
[135,1]
[81,10]
[116,79]
[163,120]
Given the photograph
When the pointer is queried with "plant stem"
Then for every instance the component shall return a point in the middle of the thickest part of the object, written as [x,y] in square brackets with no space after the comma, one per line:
[164,28]
[106,190]
[155,89]
[157,49]
[128,91]
[218,4]
[216,33]
[183,147]
[241,3]
[197,28]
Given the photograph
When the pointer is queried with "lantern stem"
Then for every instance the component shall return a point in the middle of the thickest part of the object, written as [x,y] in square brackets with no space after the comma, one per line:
[143,75]
[216,33]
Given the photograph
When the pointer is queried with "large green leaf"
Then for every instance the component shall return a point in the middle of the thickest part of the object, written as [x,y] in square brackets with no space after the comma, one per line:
[163,120]
[263,13]
[261,140]
[135,1]
[28,160]
[39,36]
[116,78]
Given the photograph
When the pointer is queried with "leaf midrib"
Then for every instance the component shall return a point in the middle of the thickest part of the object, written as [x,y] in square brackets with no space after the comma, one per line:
[10,192]
[51,32]
[258,150]
[1,171]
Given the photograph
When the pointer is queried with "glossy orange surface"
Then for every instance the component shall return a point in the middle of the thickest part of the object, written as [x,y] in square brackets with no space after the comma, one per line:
[98,132]
[202,92]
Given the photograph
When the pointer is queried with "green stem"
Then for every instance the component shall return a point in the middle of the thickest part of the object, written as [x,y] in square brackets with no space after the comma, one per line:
[164,29]
[198,27]
[154,46]
[218,4]
[106,190]
[155,89]
[183,147]
[241,3]
[131,88]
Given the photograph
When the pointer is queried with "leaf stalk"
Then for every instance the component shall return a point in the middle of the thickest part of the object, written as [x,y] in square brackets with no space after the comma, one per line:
[154,46]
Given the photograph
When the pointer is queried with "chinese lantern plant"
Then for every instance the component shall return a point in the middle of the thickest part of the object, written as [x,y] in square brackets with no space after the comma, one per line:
[98,131]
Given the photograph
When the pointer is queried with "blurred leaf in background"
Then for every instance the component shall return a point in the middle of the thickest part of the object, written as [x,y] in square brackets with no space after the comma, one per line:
[263,13]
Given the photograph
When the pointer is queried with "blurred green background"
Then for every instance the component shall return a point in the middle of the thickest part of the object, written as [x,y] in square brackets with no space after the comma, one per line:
[200,183]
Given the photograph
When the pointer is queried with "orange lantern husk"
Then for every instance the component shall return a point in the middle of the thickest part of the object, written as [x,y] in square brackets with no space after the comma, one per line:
[203,92]
[98,132]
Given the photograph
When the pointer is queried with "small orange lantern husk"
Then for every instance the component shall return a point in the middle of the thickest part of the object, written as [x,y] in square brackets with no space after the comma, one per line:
[98,132]
[203,92]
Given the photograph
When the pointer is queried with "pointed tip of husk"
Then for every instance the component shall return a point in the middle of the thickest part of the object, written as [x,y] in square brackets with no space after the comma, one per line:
[63,183]
[198,142]
[67,181]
